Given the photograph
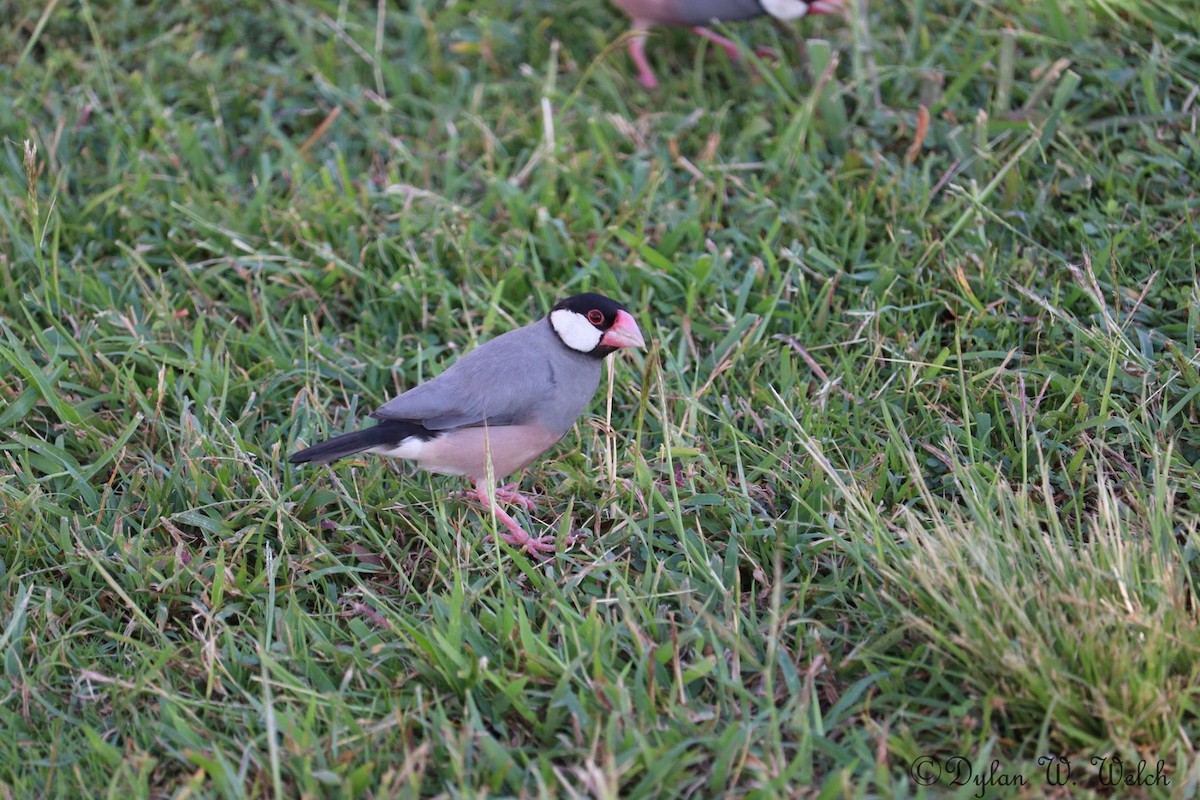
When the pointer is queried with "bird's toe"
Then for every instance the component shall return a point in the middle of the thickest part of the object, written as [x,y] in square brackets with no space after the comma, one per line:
[510,494]
[542,544]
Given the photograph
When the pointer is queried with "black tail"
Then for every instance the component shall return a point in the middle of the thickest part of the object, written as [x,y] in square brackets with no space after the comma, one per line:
[389,433]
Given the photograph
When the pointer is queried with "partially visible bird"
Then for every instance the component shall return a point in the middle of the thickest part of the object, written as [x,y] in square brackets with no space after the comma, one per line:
[496,409]
[694,14]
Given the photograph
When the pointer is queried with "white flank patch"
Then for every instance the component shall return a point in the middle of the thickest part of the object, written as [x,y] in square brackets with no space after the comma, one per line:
[409,448]
[575,331]
[416,449]
[785,10]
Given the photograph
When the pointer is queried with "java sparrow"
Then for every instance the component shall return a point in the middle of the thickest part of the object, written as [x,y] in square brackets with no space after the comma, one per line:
[497,408]
[694,14]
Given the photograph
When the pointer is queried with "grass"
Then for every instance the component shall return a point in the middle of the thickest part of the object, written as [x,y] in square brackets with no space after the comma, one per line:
[909,472]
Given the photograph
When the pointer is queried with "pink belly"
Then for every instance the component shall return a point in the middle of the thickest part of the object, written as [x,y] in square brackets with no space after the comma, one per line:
[468,451]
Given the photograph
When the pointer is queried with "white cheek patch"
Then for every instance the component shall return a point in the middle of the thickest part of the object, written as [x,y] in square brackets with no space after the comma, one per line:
[575,331]
[785,10]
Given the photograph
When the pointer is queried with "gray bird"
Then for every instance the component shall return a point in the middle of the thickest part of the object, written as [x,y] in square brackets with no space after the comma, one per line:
[499,407]
[694,14]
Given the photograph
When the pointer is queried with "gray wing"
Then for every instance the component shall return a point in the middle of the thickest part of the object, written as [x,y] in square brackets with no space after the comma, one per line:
[702,12]
[501,382]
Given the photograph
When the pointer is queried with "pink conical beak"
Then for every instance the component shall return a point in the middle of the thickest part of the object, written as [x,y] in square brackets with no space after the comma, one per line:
[623,333]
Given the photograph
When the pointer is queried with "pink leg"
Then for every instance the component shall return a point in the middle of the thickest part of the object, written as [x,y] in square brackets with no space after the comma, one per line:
[730,47]
[516,535]
[637,51]
[509,494]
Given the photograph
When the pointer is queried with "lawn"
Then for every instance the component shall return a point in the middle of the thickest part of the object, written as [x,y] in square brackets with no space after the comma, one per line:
[902,499]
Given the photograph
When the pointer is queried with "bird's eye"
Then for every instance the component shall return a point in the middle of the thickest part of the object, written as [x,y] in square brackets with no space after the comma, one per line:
[595,317]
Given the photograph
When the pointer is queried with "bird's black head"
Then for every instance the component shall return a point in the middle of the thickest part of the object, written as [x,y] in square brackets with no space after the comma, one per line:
[594,324]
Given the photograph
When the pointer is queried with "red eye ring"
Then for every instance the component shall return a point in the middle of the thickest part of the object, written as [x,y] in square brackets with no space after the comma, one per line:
[595,317]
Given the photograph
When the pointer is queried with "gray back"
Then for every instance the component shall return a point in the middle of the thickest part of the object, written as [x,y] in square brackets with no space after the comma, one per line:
[524,377]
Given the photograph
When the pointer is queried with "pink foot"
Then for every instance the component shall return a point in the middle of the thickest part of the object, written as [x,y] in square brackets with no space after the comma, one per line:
[509,494]
[542,544]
